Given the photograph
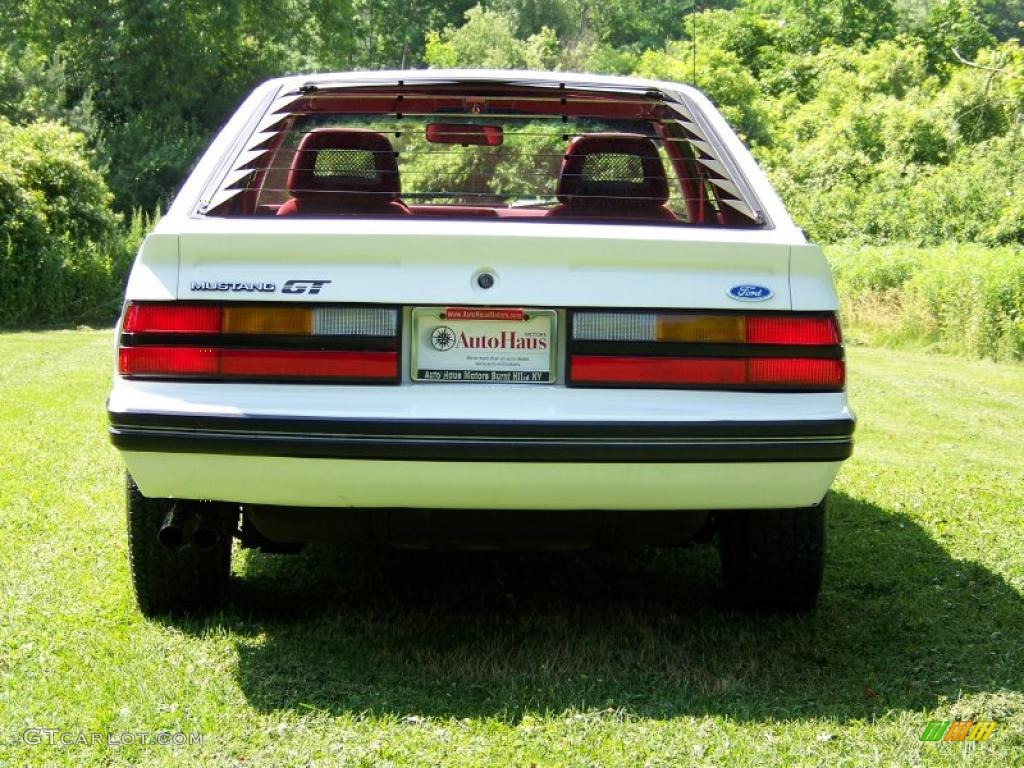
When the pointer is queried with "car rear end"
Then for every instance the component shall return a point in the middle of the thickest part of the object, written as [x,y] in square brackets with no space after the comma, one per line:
[479,310]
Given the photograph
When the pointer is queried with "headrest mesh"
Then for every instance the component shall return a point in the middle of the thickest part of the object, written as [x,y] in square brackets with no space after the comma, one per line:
[612,170]
[357,163]
[615,167]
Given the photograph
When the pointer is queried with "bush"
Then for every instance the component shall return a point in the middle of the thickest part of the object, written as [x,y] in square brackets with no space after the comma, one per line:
[63,252]
[884,152]
[962,299]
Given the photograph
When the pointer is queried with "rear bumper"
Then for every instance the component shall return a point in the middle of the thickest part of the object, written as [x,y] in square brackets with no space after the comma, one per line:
[481,441]
[479,447]
[341,483]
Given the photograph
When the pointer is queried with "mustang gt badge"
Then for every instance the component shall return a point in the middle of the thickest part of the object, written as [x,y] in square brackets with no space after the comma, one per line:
[751,293]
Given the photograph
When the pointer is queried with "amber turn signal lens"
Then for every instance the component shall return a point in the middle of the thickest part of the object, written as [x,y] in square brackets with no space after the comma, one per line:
[282,321]
[723,329]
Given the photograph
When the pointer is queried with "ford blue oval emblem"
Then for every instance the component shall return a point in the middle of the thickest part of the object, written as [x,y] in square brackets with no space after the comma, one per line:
[751,292]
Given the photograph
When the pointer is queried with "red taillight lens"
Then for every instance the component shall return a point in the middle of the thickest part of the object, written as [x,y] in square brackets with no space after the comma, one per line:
[288,363]
[803,372]
[256,363]
[765,329]
[165,361]
[172,318]
[751,373]
[616,369]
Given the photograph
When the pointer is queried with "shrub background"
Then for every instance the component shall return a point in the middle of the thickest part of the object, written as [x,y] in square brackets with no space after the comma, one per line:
[963,299]
[64,252]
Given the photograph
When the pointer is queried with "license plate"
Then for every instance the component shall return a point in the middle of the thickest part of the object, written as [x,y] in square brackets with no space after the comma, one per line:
[512,346]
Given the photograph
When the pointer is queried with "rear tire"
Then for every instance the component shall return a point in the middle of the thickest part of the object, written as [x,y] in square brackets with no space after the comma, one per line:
[773,559]
[183,580]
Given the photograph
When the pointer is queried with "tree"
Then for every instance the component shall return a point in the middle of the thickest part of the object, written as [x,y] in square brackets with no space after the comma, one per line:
[164,74]
[59,234]
[488,39]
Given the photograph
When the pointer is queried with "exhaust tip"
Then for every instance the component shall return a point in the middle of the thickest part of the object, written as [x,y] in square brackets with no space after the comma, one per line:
[205,538]
[172,531]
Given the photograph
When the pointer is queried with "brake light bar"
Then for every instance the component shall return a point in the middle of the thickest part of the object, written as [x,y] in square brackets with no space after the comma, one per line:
[623,369]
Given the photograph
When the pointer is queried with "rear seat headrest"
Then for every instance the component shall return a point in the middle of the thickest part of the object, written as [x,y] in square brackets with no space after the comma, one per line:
[612,169]
[344,163]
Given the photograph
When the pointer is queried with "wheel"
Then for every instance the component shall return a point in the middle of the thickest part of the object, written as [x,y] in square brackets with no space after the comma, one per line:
[773,559]
[187,579]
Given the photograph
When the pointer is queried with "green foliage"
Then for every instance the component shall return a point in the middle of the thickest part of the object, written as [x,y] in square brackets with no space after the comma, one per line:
[804,26]
[955,26]
[849,103]
[727,82]
[963,299]
[636,24]
[392,33]
[561,16]
[871,128]
[488,39]
[883,151]
[34,87]
[62,253]
[164,74]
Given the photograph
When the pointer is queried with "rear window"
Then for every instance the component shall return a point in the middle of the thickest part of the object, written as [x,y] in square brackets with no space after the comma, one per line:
[497,153]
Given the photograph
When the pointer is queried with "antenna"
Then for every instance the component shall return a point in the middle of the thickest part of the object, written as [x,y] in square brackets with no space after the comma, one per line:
[693,15]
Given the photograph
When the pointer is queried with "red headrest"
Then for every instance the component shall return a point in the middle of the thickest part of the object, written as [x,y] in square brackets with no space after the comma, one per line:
[621,169]
[344,163]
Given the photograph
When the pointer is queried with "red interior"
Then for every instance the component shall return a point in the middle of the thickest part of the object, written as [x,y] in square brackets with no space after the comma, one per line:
[377,191]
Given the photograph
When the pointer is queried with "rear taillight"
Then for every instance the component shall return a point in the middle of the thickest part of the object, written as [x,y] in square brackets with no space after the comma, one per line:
[764,351]
[811,331]
[182,340]
[171,318]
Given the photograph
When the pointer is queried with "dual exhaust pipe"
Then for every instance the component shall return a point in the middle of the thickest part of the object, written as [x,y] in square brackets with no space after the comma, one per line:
[182,523]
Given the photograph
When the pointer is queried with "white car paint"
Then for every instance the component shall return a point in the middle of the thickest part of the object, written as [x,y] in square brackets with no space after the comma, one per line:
[432,262]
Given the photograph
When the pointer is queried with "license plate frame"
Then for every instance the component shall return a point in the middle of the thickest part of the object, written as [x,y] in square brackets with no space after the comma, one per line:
[524,339]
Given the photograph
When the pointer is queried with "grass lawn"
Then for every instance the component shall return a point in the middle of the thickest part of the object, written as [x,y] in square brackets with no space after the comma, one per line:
[513,660]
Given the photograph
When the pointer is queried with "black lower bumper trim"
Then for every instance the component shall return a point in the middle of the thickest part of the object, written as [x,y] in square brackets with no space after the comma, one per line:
[398,440]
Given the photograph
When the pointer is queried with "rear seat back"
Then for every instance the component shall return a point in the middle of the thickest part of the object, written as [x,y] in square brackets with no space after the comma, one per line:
[338,171]
[612,176]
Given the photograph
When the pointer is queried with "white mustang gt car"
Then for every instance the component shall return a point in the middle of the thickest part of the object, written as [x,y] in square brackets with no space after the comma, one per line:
[478,309]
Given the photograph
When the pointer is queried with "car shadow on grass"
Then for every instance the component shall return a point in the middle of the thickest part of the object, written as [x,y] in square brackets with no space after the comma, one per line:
[900,625]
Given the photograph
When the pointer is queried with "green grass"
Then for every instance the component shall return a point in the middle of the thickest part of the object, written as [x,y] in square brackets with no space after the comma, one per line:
[513,660]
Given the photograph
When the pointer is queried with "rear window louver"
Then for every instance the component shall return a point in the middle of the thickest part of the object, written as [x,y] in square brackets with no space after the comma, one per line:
[708,157]
[263,140]
[682,125]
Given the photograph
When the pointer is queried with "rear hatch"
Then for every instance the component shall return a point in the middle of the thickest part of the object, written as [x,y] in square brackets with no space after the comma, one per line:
[584,305]
[416,263]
